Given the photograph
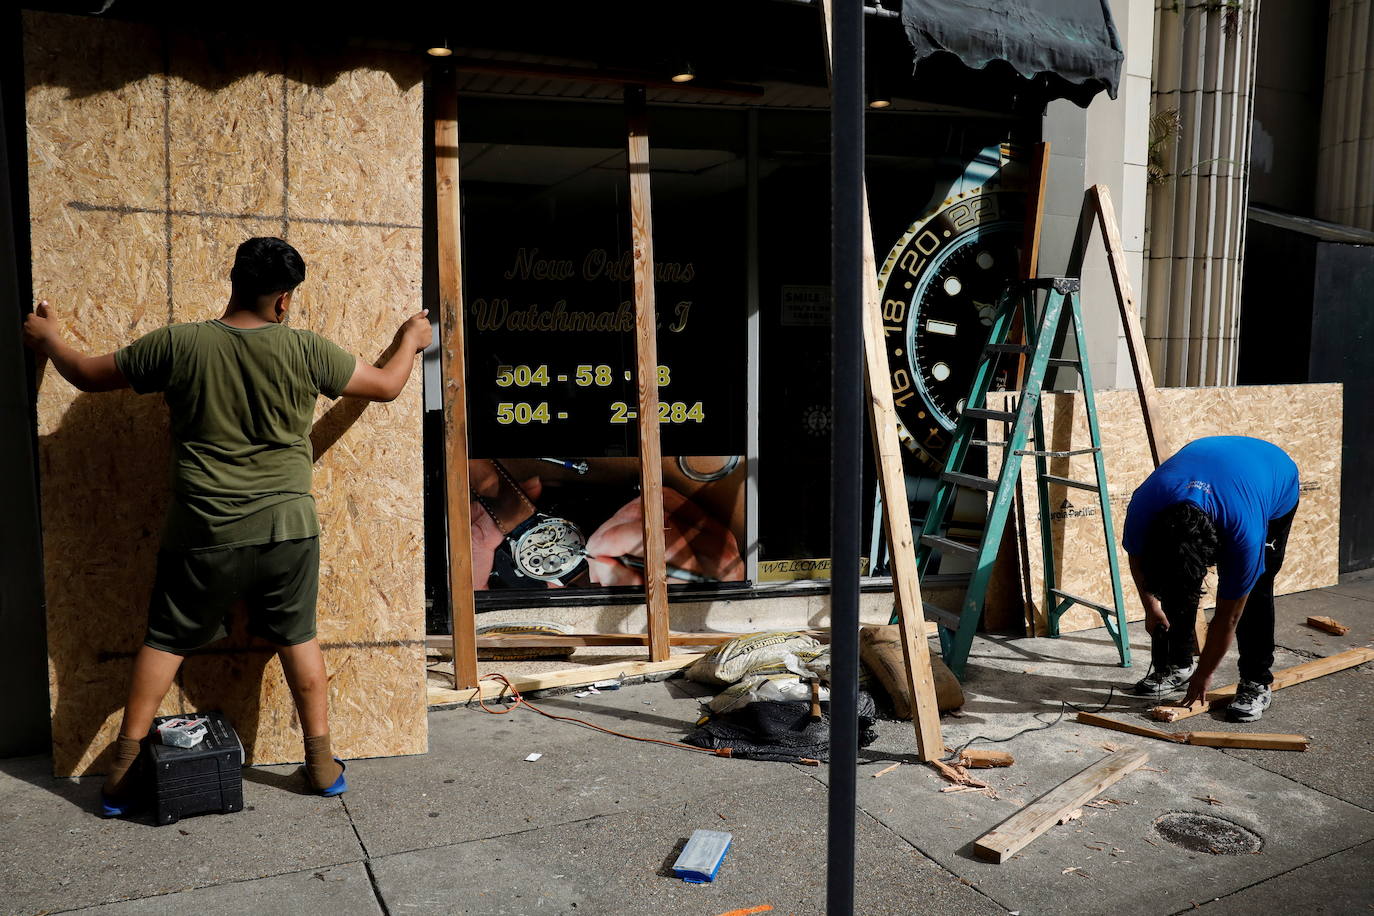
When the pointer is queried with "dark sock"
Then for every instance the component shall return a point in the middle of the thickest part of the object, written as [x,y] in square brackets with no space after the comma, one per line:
[125,755]
[320,766]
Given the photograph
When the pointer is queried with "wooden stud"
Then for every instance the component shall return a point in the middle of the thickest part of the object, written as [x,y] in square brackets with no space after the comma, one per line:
[1088,718]
[449,225]
[571,677]
[887,449]
[1002,842]
[1286,678]
[1256,740]
[1101,200]
[646,373]
[1329,625]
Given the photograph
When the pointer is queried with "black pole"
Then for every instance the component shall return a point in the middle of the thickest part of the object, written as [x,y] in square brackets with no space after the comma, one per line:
[846,455]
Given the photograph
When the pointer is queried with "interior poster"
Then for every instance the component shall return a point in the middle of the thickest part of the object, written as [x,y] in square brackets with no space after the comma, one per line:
[552,408]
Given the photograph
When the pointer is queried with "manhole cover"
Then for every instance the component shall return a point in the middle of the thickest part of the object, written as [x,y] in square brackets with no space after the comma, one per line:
[1207,833]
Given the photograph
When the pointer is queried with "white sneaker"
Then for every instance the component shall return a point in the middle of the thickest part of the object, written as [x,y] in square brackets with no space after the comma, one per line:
[1252,699]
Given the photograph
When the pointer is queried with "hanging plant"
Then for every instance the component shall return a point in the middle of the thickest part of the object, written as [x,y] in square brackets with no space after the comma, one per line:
[1164,127]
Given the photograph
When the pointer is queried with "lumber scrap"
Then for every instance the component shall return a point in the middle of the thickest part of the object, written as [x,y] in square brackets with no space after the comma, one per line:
[1286,678]
[981,759]
[552,680]
[1254,740]
[887,448]
[1088,718]
[646,373]
[1329,625]
[957,775]
[1003,841]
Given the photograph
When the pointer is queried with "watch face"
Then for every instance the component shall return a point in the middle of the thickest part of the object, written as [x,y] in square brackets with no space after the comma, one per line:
[940,287]
[549,549]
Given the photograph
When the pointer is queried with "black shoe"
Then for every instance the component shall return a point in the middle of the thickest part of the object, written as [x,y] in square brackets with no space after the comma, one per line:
[1162,681]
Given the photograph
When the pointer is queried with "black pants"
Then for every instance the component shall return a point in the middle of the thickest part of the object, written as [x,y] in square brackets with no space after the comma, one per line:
[1173,648]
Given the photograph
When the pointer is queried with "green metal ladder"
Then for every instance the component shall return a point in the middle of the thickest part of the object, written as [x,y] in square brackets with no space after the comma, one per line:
[957,630]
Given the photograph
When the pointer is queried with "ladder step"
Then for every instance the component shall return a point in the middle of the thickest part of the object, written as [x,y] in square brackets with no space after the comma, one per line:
[946,545]
[1066,454]
[1110,612]
[985,443]
[1008,348]
[970,481]
[1064,363]
[979,413]
[1065,482]
[947,619]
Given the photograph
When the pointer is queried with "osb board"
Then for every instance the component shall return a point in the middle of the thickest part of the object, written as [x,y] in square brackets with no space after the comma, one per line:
[151,156]
[1305,420]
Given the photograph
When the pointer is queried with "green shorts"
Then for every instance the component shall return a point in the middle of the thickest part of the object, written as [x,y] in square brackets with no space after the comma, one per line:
[194,593]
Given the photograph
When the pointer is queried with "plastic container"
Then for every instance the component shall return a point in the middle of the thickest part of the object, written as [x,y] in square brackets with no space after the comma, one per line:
[196,780]
[701,857]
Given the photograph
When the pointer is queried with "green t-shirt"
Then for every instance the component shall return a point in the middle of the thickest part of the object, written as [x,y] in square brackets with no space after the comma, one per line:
[241,403]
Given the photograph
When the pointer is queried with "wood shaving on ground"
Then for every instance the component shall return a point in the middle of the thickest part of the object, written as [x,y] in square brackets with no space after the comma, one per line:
[1075,870]
[957,775]
[885,770]
[1107,803]
[1216,802]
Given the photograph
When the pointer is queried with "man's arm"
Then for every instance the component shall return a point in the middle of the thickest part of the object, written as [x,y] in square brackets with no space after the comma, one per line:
[1220,632]
[87,373]
[386,381]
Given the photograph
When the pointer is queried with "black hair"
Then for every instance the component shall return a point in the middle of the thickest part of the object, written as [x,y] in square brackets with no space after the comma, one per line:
[1180,546]
[264,266]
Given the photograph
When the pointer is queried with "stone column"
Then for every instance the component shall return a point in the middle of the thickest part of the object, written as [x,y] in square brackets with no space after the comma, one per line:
[1345,177]
[1204,72]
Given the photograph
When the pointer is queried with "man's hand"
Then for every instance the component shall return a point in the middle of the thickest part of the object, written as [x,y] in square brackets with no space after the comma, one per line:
[415,333]
[1155,616]
[1198,686]
[40,329]
[693,541]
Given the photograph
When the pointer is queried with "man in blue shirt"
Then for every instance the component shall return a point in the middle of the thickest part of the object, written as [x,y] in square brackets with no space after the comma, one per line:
[1223,500]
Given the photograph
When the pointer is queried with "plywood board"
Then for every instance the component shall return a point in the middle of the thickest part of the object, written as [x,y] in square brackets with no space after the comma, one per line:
[151,157]
[1305,420]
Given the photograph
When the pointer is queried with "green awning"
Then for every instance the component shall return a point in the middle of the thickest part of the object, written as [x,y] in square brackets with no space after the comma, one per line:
[1057,48]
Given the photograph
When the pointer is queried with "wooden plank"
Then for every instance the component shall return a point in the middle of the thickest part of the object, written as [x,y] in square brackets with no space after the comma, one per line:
[1035,212]
[1088,718]
[646,373]
[449,226]
[1256,740]
[887,449]
[1329,625]
[570,677]
[1286,678]
[496,640]
[1002,842]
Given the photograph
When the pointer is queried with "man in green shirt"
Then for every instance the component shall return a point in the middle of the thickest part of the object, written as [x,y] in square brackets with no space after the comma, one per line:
[241,391]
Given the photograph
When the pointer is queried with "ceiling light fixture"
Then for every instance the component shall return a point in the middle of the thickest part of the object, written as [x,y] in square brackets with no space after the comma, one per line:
[442,50]
[684,73]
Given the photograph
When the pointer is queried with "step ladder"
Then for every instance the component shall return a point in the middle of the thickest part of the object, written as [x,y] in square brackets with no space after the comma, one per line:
[957,630]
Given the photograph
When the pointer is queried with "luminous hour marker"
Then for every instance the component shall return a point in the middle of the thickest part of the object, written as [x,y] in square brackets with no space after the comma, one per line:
[948,328]
[959,408]
[952,286]
[984,260]
[940,371]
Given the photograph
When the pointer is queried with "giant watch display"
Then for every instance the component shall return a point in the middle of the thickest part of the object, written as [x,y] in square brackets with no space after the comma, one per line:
[940,285]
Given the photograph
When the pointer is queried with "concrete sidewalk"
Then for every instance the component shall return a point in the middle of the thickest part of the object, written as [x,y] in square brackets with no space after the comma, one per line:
[593,826]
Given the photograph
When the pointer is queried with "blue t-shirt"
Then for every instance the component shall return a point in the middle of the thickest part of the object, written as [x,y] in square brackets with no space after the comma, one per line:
[1241,483]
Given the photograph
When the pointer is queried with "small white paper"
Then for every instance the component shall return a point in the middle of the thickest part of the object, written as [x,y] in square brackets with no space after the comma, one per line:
[583,693]
[533,757]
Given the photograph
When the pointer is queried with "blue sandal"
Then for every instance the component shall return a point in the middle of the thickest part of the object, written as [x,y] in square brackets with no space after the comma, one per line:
[340,785]
[111,808]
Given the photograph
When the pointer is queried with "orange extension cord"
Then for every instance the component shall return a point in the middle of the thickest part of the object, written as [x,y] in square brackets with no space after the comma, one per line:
[521,701]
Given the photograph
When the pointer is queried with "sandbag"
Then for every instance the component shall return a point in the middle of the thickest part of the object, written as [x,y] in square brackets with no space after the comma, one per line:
[880,648]
[730,661]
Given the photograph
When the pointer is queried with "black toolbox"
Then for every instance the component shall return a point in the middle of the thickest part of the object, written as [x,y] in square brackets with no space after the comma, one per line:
[196,780]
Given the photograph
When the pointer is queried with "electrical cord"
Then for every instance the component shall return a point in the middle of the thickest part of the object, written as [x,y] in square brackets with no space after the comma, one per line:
[1064,707]
[521,701]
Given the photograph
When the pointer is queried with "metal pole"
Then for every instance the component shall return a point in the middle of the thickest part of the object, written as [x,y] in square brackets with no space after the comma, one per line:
[846,455]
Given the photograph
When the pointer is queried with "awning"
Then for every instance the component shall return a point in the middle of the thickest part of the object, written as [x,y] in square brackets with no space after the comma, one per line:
[1059,48]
